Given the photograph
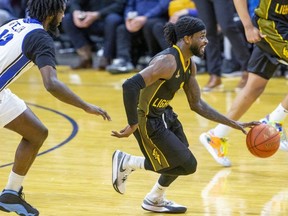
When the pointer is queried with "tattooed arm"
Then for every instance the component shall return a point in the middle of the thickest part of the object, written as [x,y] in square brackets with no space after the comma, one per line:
[193,93]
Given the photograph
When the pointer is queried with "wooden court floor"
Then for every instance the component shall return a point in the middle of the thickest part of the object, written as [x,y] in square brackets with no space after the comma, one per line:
[72,174]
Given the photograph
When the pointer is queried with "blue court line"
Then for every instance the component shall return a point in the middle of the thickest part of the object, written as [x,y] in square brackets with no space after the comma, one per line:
[75,129]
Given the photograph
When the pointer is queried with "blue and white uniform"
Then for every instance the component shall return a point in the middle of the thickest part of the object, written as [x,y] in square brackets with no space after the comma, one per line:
[23,43]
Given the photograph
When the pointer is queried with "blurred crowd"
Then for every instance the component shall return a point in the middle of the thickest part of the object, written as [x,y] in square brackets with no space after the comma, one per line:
[125,34]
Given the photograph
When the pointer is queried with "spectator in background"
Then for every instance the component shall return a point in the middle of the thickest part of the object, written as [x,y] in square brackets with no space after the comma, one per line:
[6,11]
[179,8]
[176,9]
[157,42]
[9,10]
[88,18]
[222,12]
[252,4]
[140,17]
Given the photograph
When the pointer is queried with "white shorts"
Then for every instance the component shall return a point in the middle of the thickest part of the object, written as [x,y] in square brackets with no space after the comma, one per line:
[11,106]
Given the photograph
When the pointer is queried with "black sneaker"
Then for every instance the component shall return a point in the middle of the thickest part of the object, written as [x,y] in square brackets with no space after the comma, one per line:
[12,201]
[163,206]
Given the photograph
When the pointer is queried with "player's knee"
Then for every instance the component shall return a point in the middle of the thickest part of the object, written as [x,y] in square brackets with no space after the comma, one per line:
[259,90]
[43,134]
[40,137]
[190,165]
[255,90]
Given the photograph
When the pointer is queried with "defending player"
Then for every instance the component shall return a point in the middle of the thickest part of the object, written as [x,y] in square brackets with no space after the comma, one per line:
[23,43]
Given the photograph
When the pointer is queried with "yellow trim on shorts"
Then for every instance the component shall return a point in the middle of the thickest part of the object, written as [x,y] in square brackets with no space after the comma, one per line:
[273,38]
[150,144]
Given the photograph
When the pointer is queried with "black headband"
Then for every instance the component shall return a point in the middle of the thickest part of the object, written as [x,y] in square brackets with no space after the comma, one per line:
[190,30]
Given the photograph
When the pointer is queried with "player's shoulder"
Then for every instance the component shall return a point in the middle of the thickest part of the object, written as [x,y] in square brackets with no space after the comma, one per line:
[38,34]
[39,37]
[165,59]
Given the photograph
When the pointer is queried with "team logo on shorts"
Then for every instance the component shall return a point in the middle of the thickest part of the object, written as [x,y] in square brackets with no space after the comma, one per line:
[285,52]
[178,74]
[156,156]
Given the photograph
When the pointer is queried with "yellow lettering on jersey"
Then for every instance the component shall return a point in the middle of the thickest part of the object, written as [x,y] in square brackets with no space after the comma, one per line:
[160,103]
[281,9]
[156,156]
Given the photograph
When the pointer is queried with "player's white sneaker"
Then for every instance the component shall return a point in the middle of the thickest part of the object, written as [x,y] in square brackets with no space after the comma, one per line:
[279,127]
[120,175]
[162,205]
[216,146]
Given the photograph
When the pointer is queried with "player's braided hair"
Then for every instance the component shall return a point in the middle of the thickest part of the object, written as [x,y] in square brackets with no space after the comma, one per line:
[186,25]
[41,9]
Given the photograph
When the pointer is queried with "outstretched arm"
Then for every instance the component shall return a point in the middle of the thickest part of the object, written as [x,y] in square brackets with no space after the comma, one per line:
[59,90]
[196,104]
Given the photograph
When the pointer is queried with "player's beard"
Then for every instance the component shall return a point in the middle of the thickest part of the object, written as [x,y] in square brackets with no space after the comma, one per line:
[53,26]
[196,51]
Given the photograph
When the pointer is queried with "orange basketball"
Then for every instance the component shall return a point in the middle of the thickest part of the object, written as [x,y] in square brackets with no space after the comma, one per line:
[263,140]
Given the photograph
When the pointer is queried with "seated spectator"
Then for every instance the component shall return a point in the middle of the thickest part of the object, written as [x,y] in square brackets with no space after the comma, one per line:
[176,9]
[88,18]
[140,17]
[179,8]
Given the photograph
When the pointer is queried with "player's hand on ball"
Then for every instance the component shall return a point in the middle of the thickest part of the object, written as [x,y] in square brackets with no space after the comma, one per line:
[241,126]
[126,132]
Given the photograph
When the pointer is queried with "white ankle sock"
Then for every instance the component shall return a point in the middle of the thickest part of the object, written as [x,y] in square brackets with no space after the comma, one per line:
[221,130]
[157,191]
[135,162]
[14,181]
[279,114]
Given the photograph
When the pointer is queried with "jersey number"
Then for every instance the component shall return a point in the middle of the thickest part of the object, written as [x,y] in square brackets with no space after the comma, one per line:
[5,38]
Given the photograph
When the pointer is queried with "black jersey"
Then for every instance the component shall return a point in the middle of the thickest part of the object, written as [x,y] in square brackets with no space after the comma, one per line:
[156,97]
[275,11]
[271,18]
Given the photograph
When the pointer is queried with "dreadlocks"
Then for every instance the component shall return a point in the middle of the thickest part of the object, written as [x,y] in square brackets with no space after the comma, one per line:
[41,9]
[186,25]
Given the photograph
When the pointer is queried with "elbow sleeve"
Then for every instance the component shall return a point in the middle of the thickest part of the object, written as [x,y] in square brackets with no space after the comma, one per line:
[131,91]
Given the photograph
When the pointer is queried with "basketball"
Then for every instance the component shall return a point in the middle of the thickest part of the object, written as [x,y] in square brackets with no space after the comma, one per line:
[263,140]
